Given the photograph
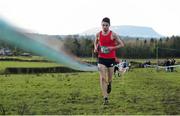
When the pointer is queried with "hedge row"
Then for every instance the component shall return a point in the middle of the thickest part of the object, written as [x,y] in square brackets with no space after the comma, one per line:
[23,70]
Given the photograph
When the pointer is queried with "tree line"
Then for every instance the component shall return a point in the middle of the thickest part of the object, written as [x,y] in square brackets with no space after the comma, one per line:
[167,47]
[82,46]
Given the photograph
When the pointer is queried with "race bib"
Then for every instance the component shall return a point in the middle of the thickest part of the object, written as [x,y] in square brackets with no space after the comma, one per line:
[104,50]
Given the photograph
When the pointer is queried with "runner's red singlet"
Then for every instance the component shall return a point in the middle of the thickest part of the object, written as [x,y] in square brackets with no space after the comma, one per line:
[106,41]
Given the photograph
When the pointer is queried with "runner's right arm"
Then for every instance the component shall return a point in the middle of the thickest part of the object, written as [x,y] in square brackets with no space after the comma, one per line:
[96,43]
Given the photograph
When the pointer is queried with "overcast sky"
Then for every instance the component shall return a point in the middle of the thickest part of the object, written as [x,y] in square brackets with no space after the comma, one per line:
[76,16]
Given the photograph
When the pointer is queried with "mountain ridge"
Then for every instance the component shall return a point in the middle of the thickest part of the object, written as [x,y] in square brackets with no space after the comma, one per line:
[128,31]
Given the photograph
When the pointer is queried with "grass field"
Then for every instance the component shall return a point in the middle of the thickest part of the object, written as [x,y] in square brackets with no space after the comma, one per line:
[142,91]
[23,57]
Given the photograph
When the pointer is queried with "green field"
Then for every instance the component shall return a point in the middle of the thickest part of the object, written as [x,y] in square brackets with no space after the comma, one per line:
[141,91]
[23,57]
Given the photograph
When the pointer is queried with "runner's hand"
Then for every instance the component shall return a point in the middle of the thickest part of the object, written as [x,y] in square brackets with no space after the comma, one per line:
[111,48]
[95,50]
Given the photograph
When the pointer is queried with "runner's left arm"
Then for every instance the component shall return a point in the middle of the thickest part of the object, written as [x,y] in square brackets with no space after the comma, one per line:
[119,42]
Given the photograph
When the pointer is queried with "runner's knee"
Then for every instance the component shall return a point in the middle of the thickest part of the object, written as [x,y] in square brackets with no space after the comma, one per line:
[102,78]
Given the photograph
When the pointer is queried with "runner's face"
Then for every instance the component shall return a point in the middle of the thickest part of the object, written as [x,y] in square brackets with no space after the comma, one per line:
[105,26]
